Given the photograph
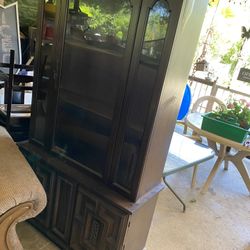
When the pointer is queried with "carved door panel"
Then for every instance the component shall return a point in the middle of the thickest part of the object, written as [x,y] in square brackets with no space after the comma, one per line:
[47,179]
[63,207]
[96,225]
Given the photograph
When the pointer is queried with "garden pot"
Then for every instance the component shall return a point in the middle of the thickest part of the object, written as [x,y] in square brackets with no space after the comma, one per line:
[224,129]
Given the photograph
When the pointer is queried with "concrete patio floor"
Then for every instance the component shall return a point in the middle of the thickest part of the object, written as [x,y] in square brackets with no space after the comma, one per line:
[219,219]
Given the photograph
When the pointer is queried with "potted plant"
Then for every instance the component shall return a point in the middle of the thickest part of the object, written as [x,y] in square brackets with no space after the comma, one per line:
[232,123]
[237,112]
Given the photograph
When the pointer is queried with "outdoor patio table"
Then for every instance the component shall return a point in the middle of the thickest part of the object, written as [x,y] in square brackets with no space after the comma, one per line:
[194,121]
[184,153]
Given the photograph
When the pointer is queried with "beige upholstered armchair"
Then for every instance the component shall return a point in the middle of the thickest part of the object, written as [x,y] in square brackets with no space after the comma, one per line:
[21,194]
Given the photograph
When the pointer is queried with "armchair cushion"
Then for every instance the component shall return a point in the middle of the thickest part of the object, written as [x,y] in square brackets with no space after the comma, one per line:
[20,190]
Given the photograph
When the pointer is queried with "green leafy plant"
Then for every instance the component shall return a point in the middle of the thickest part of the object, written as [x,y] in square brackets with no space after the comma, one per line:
[231,57]
[106,22]
[236,112]
[234,53]
[27,12]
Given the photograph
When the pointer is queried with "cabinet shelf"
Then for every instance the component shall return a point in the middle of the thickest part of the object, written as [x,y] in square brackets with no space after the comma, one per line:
[97,107]
[97,47]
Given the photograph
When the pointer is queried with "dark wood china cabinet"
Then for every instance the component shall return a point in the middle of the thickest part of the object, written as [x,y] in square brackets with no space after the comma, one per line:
[99,72]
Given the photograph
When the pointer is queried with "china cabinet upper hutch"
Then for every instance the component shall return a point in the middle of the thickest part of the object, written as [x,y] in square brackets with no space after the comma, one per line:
[99,71]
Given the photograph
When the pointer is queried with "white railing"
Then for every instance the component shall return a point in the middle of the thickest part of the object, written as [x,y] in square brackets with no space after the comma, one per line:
[203,87]
[224,93]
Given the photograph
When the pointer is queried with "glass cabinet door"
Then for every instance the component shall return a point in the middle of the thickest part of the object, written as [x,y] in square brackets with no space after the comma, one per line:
[44,78]
[100,69]
[95,60]
[152,49]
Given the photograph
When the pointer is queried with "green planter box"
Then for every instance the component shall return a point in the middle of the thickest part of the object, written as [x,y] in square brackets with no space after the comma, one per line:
[224,129]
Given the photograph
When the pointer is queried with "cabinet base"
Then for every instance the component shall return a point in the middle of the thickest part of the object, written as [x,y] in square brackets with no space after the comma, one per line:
[83,213]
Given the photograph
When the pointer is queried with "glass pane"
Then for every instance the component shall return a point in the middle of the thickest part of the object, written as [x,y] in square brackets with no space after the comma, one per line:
[155,32]
[45,68]
[140,99]
[103,24]
[93,64]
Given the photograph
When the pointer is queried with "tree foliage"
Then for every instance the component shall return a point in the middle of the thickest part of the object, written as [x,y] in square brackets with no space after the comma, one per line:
[113,18]
[108,21]
[157,22]
[27,11]
[213,3]
[227,12]
[232,56]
